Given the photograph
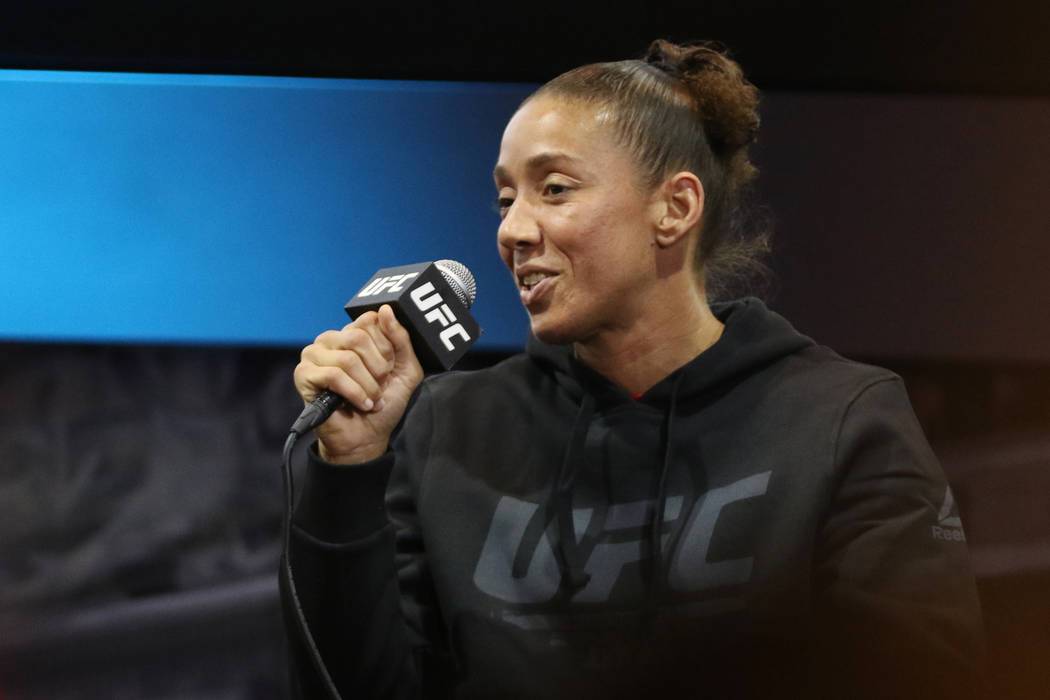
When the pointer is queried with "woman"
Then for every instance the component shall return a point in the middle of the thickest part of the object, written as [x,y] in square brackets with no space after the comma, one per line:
[662,494]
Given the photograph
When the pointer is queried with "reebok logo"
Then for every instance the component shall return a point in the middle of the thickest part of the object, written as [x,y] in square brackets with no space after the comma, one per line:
[949,524]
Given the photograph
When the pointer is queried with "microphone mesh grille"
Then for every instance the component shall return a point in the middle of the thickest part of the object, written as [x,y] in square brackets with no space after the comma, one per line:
[459,279]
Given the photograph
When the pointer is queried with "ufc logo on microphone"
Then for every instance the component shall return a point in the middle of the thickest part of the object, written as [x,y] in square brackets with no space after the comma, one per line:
[393,283]
[427,299]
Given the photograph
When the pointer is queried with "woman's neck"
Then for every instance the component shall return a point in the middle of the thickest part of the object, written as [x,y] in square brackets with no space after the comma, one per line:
[657,344]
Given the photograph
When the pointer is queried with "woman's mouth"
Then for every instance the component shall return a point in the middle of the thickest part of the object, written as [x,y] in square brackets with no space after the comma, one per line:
[532,285]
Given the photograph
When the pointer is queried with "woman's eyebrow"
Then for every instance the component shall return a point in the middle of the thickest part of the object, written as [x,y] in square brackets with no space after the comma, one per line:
[536,162]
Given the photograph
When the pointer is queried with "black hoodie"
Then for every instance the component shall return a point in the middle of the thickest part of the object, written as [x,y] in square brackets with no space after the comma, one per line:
[806,543]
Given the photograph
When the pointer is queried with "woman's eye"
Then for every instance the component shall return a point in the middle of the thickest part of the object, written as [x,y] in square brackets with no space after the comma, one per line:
[503,204]
[554,189]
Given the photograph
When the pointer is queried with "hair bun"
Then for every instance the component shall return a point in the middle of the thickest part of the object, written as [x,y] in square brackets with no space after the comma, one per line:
[725,100]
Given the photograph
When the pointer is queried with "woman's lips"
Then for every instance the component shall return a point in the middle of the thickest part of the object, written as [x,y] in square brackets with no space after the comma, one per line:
[530,295]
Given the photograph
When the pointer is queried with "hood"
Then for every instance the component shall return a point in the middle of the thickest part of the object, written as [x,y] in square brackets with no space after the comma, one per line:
[754,337]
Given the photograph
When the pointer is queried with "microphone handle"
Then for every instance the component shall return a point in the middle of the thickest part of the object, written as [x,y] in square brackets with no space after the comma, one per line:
[317,411]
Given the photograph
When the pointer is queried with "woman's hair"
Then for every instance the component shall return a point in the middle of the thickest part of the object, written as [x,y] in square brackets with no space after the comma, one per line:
[687,107]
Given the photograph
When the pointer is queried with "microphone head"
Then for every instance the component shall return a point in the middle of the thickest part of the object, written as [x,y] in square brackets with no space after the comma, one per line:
[432,301]
[459,279]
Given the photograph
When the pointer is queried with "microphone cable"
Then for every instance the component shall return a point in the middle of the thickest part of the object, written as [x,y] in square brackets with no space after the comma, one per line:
[285,568]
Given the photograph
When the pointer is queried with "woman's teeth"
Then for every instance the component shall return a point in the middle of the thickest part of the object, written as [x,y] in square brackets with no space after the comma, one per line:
[531,280]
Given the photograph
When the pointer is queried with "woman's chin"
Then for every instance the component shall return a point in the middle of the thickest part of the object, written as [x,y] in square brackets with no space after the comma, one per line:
[552,333]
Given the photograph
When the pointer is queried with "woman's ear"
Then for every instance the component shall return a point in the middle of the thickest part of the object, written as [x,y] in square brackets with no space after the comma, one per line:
[682,200]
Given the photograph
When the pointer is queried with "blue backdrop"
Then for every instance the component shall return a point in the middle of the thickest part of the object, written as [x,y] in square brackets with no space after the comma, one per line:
[246,210]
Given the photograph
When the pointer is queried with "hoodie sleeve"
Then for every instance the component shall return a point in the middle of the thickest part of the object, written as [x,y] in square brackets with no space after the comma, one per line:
[361,576]
[896,604]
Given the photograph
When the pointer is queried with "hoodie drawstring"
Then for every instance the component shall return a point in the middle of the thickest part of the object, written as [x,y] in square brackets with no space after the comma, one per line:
[570,559]
[656,521]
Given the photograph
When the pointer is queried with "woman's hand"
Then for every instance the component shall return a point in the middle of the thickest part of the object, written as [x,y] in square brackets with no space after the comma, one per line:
[372,365]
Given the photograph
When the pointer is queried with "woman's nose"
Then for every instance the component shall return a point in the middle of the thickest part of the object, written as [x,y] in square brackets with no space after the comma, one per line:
[518,228]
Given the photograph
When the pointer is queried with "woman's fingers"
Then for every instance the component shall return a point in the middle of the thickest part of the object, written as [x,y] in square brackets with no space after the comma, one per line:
[347,374]
[353,362]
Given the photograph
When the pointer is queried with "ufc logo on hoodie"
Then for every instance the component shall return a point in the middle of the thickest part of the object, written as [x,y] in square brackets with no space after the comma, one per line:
[689,570]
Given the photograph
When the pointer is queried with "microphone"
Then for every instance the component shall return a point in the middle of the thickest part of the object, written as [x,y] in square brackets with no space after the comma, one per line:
[432,301]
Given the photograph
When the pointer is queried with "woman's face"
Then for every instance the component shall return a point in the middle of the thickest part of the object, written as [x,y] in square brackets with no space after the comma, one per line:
[577,224]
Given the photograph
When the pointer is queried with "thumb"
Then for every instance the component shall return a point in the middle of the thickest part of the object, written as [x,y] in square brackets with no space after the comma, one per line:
[399,338]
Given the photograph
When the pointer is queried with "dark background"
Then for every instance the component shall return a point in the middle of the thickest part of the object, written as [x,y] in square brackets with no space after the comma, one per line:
[139,485]
[963,47]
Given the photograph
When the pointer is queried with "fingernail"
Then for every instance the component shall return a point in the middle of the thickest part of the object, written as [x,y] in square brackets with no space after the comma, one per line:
[368,404]
[379,405]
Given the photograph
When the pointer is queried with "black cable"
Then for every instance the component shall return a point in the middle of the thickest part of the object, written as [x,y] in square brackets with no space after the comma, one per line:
[286,571]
